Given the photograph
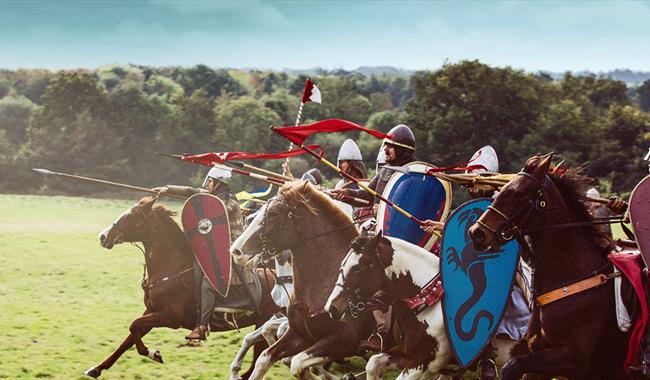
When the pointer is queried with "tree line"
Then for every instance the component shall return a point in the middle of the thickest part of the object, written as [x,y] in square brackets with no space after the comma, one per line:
[109,122]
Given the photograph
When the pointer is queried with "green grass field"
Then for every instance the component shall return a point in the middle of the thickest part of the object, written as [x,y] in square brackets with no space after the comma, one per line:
[66,303]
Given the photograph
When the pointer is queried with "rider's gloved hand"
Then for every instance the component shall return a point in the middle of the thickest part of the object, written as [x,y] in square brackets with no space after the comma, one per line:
[431,226]
[617,205]
[338,193]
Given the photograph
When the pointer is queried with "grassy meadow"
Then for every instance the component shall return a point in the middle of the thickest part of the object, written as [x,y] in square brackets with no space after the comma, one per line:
[66,303]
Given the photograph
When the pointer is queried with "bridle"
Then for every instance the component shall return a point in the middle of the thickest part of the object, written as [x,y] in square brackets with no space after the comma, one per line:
[511,227]
[358,304]
[267,251]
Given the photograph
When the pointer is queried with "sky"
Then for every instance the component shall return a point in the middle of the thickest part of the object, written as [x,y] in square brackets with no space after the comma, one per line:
[530,35]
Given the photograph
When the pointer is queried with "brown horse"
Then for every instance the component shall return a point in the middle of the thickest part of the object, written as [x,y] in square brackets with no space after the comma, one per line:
[169,286]
[318,233]
[578,335]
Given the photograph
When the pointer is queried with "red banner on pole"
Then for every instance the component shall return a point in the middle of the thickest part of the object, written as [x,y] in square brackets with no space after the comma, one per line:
[298,135]
[209,159]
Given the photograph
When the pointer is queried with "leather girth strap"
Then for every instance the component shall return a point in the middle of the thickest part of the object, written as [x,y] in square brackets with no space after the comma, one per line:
[575,288]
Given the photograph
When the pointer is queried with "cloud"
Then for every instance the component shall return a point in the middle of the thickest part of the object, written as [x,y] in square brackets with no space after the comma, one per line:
[255,10]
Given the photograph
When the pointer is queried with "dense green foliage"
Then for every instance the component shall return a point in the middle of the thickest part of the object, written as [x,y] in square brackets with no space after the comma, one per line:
[109,122]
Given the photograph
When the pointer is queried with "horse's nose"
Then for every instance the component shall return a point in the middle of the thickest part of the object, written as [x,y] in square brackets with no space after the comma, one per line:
[334,312]
[478,237]
[102,237]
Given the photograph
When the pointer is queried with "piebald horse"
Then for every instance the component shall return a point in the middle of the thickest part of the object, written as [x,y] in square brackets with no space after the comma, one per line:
[318,233]
[400,270]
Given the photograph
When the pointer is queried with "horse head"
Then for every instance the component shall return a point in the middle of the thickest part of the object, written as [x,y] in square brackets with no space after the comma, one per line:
[362,274]
[519,206]
[132,226]
[277,226]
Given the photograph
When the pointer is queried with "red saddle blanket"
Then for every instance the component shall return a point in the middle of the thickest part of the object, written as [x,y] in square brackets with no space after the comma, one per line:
[632,268]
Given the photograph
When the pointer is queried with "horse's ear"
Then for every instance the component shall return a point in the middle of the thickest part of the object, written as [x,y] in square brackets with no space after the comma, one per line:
[371,245]
[146,204]
[544,165]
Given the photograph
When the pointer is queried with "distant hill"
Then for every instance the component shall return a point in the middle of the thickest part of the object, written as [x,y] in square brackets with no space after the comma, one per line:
[632,78]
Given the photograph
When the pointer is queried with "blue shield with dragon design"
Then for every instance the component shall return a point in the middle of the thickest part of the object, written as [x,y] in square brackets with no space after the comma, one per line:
[477,284]
[424,197]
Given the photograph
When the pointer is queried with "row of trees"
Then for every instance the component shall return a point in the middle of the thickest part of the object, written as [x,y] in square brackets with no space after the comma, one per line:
[109,122]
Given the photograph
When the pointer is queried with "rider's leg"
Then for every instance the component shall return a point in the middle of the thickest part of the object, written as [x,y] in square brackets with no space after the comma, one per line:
[208,300]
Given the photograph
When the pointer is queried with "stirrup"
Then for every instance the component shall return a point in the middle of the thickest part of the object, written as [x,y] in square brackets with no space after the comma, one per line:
[479,368]
[381,340]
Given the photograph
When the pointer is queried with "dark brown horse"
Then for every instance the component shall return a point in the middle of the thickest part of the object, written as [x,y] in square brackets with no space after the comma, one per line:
[169,287]
[318,233]
[578,336]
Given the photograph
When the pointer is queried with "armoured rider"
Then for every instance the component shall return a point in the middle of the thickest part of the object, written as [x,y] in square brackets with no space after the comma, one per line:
[516,314]
[399,150]
[350,161]
[217,183]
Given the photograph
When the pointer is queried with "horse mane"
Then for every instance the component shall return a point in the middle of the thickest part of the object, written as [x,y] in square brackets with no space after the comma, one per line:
[572,184]
[165,218]
[315,201]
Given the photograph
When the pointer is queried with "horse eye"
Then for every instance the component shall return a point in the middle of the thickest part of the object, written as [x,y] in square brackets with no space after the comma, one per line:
[356,268]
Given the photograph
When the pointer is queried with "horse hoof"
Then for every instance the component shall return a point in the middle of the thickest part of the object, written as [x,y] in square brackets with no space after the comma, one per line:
[93,372]
[155,356]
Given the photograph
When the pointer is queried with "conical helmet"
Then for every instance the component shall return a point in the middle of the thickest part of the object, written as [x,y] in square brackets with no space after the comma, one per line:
[314,176]
[487,159]
[349,151]
[218,174]
[402,136]
[381,159]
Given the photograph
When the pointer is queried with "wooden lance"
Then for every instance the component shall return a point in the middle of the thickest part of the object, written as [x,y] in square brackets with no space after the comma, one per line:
[109,183]
[359,183]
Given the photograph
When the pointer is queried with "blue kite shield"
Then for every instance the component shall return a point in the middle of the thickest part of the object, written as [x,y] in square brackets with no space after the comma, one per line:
[424,197]
[477,284]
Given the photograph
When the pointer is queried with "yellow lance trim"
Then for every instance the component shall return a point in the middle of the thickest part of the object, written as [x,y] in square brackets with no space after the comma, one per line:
[247,197]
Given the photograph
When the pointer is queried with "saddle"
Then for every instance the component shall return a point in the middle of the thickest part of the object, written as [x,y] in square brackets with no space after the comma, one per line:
[630,295]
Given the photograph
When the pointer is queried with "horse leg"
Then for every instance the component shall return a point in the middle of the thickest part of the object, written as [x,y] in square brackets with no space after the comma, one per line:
[270,329]
[249,340]
[141,326]
[378,364]
[96,371]
[553,361]
[258,348]
[290,344]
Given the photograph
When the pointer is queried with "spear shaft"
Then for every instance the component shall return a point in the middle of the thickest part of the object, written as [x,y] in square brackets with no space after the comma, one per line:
[359,183]
[104,182]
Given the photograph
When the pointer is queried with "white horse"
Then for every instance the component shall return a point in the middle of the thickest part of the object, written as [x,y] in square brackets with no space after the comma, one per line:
[278,324]
[401,269]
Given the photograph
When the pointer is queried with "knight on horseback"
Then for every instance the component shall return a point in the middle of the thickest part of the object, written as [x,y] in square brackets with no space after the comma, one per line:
[217,183]
[400,150]
[517,313]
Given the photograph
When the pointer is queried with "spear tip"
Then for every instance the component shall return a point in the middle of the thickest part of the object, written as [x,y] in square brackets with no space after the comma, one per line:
[42,171]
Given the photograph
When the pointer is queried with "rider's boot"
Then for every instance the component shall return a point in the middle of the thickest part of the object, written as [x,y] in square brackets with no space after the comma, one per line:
[487,368]
[200,332]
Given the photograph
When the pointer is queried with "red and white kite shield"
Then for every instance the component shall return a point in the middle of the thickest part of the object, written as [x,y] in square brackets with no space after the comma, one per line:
[205,221]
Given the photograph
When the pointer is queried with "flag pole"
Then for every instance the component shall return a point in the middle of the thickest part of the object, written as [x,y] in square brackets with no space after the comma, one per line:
[302,104]
[267,179]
